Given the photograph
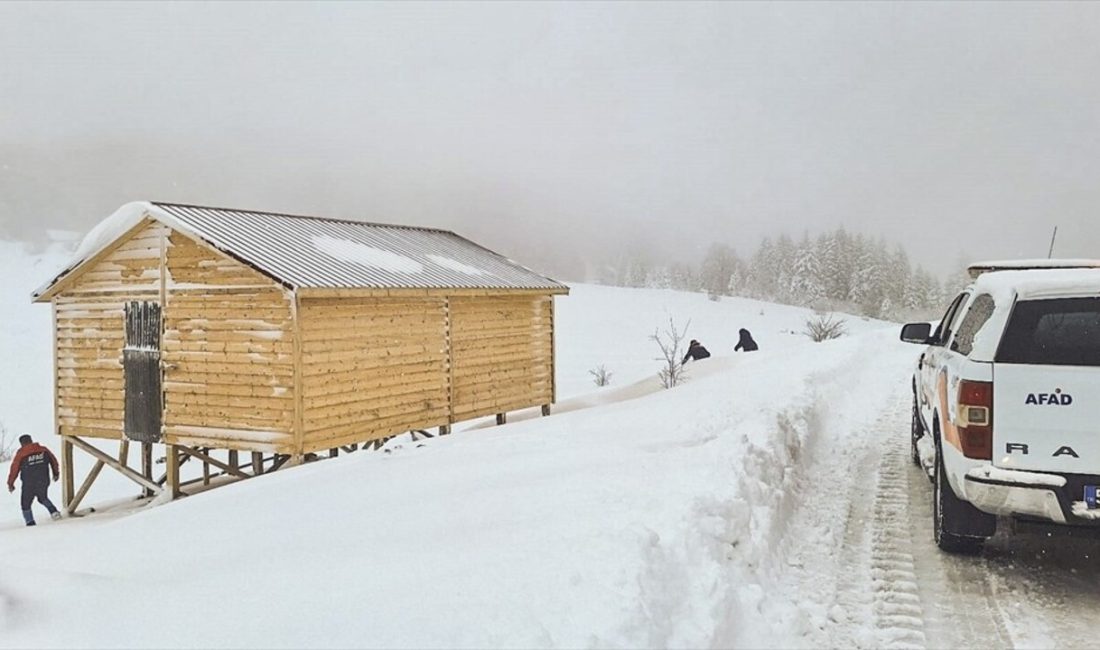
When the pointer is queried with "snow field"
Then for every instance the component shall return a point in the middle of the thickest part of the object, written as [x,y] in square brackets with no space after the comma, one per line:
[634,517]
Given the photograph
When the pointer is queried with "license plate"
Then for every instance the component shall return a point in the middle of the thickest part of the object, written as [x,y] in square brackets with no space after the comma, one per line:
[1091,497]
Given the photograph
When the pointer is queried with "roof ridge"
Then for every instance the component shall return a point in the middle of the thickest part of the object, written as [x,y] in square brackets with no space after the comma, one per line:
[164,204]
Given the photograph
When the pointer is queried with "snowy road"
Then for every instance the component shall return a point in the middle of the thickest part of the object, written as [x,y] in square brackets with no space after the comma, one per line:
[1023,591]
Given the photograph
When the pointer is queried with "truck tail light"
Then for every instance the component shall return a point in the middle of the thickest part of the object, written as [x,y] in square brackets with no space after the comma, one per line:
[975,419]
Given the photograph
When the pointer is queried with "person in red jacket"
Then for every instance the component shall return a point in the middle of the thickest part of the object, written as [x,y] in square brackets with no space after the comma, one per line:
[32,463]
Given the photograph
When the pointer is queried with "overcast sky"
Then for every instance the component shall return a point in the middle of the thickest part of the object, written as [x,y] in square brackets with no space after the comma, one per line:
[557,130]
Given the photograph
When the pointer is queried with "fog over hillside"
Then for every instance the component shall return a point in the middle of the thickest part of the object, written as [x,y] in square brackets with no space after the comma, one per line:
[568,135]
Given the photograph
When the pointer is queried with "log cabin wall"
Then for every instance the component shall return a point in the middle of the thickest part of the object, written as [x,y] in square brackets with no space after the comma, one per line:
[503,353]
[228,353]
[372,368]
[89,333]
[250,366]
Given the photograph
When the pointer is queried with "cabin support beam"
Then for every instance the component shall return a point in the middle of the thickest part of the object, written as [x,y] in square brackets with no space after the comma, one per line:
[545,410]
[172,473]
[147,465]
[117,464]
[502,418]
[74,502]
[208,460]
[66,473]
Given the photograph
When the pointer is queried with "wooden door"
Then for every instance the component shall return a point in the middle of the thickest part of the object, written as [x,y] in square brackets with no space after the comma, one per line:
[141,366]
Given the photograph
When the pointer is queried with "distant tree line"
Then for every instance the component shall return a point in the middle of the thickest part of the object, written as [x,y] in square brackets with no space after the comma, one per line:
[835,271]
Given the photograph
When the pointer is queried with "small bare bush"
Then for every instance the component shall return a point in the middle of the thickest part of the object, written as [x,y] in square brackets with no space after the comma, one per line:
[600,376]
[824,327]
[6,444]
[670,340]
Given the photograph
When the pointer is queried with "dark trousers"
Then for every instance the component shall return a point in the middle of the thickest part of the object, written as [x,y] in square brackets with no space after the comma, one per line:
[31,492]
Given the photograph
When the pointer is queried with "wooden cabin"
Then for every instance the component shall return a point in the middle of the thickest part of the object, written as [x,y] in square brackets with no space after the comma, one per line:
[213,329]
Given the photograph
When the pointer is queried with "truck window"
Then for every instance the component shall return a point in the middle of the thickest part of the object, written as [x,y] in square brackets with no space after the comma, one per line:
[1060,332]
[980,311]
[943,330]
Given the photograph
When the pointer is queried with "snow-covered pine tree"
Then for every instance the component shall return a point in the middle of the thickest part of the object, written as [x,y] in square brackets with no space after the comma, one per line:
[783,268]
[738,282]
[761,271]
[659,278]
[683,277]
[806,286]
[895,282]
[638,272]
[828,265]
[717,266]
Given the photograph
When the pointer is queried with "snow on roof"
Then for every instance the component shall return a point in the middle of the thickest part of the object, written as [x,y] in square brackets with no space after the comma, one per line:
[356,253]
[1039,283]
[302,251]
[979,268]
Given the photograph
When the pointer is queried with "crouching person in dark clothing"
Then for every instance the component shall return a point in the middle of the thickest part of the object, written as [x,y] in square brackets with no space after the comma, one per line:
[695,351]
[33,464]
[746,343]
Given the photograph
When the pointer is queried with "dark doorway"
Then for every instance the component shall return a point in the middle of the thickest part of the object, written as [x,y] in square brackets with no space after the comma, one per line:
[141,365]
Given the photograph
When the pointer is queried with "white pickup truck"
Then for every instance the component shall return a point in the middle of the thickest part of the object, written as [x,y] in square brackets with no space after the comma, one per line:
[1006,400]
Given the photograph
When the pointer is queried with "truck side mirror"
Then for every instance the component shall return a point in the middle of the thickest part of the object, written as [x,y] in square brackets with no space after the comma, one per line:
[916,332]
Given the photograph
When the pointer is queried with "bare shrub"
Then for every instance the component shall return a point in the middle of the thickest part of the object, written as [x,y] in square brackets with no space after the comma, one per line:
[600,376]
[823,327]
[672,371]
[6,444]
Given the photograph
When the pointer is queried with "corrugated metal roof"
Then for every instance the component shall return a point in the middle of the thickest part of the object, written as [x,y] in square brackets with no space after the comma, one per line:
[315,252]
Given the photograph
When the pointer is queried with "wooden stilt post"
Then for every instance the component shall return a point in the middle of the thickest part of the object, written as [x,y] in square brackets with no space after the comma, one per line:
[66,473]
[545,410]
[85,486]
[172,477]
[206,468]
[147,465]
[445,429]
[502,418]
[257,463]
[334,452]
[234,459]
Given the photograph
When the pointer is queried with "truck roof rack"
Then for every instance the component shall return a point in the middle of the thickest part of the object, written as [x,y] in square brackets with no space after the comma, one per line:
[978,268]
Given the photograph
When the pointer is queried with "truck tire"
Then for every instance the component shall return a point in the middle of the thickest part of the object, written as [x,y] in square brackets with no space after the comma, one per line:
[958,527]
[916,430]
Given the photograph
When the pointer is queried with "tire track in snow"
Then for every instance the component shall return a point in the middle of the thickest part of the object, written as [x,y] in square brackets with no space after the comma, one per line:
[854,572]
[960,602]
[898,607]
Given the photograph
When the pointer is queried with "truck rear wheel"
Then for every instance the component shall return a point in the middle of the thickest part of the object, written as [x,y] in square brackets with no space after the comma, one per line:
[958,526]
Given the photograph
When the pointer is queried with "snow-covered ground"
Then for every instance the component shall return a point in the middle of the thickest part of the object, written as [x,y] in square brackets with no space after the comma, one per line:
[765,502]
